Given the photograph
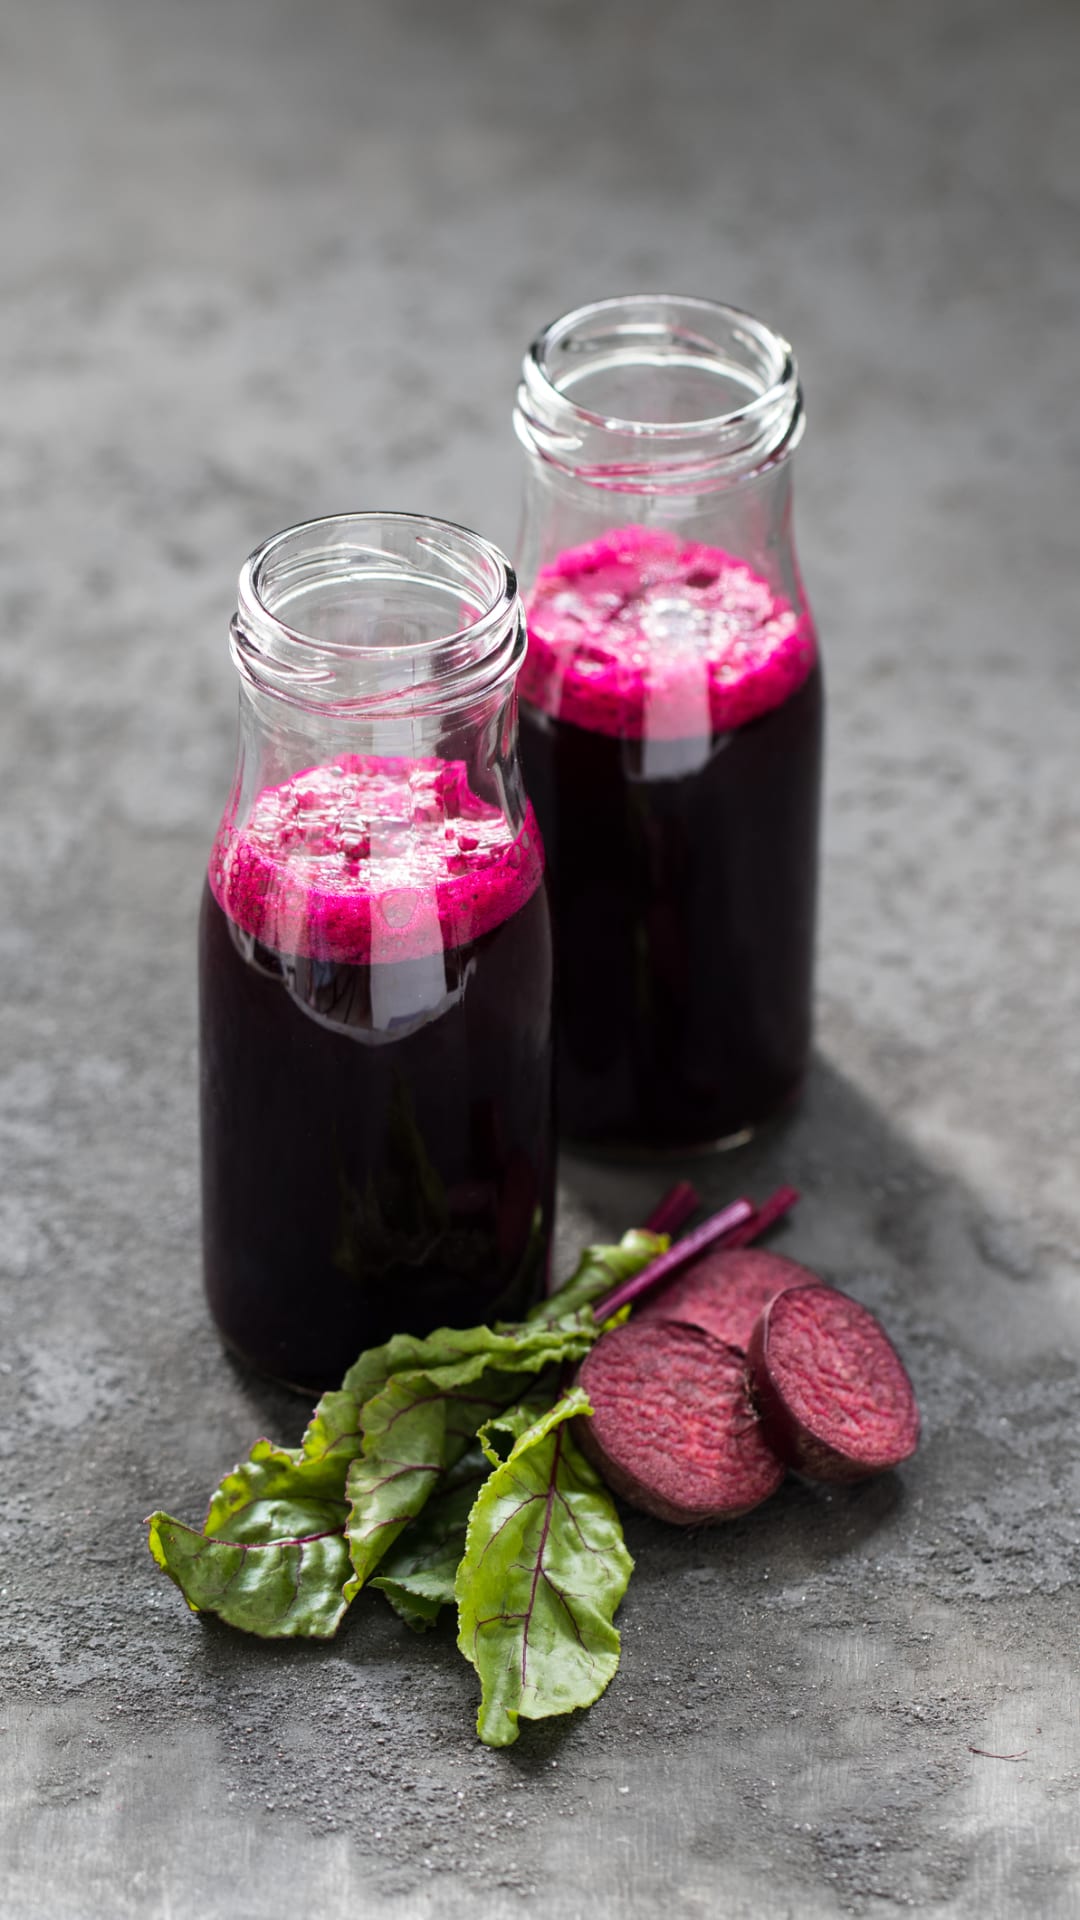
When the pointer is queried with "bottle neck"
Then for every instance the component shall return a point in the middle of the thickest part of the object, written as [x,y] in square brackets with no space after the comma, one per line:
[659,395]
[378,636]
[675,415]
[752,521]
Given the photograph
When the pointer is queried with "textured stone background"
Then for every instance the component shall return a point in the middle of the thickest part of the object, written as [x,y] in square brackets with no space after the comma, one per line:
[265,260]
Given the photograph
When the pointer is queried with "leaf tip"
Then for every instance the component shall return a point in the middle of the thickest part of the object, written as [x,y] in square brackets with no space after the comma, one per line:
[153,1523]
[156,1522]
[497,1726]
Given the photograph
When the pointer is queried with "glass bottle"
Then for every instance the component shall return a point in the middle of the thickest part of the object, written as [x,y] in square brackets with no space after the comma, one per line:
[375,955]
[671,717]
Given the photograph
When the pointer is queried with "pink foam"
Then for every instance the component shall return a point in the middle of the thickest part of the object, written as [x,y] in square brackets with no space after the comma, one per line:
[642,635]
[368,860]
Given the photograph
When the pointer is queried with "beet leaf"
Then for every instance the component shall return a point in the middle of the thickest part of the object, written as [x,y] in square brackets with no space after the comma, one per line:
[317,1468]
[278,1568]
[273,1554]
[417,1575]
[543,1571]
[425,1419]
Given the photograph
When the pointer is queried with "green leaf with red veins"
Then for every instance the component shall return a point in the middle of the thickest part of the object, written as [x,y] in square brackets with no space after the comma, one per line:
[417,1575]
[278,1569]
[273,1557]
[317,1468]
[422,1423]
[543,1571]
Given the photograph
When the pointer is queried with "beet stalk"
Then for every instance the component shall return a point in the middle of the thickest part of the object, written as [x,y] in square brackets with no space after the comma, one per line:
[671,1213]
[740,1217]
[762,1218]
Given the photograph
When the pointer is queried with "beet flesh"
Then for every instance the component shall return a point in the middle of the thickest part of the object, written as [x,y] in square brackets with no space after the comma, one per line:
[673,1428]
[725,1293]
[833,1393]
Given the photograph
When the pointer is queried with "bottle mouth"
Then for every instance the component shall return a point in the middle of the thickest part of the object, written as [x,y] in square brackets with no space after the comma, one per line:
[653,393]
[375,612]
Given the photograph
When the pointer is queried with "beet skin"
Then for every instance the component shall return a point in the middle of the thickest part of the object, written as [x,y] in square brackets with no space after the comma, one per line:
[834,1397]
[725,1293]
[673,1429]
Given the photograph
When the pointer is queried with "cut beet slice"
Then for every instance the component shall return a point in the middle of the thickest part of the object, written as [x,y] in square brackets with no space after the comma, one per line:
[833,1392]
[725,1293]
[673,1427]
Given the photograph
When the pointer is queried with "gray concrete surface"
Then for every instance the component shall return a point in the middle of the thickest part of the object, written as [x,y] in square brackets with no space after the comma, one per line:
[263,260]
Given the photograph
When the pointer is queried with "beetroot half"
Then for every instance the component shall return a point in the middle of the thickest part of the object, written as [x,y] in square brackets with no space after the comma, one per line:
[725,1293]
[673,1428]
[834,1396]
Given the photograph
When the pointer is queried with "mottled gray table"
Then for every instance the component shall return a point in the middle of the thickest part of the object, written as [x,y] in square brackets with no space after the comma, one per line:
[264,260]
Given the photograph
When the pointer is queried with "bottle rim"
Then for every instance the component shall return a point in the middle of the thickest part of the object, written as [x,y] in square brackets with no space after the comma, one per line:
[659,332]
[380,557]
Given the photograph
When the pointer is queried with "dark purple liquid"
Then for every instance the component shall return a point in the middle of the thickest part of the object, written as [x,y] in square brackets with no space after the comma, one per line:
[353,1190]
[376,1133]
[684,903]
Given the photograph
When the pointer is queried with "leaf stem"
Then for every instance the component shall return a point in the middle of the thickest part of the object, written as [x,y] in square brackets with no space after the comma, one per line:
[763,1217]
[671,1213]
[735,1226]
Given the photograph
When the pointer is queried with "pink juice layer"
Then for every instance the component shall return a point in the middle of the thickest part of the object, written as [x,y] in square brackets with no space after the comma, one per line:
[642,635]
[365,861]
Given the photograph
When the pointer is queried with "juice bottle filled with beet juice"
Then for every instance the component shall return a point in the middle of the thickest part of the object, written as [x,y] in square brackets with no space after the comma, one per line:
[375,955]
[671,717]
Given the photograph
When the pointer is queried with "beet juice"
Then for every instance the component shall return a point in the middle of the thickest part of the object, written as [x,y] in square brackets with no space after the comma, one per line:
[671,718]
[671,739]
[375,966]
